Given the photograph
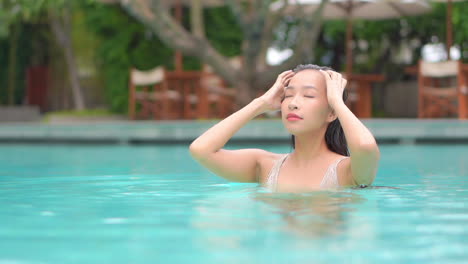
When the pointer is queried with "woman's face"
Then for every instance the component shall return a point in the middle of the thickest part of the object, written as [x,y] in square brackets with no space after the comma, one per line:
[306,97]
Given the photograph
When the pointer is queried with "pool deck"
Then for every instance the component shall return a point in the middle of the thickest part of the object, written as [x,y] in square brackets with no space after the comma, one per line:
[398,131]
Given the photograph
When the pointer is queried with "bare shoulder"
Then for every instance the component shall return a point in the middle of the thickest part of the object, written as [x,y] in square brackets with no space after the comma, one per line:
[267,156]
[264,157]
[261,156]
[266,160]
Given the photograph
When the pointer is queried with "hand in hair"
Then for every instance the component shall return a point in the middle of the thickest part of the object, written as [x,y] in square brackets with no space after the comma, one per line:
[272,98]
[335,87]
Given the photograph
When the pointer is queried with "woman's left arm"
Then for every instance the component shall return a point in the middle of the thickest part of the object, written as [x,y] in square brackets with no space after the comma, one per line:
[362,146]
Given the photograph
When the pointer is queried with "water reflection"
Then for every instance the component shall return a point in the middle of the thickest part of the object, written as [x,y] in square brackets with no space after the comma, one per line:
[315,214]
[242,217]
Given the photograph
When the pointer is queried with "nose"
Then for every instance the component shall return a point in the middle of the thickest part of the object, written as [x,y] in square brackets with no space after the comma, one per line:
[293,104]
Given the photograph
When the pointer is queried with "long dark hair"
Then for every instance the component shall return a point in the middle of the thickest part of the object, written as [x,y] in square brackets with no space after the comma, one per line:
[334,136]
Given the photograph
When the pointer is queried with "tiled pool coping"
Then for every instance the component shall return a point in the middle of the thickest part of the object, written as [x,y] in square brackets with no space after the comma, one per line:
[271,131]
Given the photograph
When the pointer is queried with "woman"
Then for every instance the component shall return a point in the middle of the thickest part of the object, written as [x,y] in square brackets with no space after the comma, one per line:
[311,99]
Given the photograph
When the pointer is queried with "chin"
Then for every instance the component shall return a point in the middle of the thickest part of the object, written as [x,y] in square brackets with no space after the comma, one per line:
[299,128]
[294,129]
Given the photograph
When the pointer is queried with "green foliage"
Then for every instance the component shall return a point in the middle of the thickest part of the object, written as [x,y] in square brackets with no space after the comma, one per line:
[125,43]
[460,29]
[3,73]
[27,38]
[4,21]
[87,112]
[223,31]
[29,18]
[25,11]
[122,42]
[385,36]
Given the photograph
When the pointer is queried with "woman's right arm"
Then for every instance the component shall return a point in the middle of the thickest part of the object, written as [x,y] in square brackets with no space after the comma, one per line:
[236,165]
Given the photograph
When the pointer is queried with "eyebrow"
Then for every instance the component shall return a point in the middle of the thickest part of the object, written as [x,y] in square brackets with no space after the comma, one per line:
[303,87]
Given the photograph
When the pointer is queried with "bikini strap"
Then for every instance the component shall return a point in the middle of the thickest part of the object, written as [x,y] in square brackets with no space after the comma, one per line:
[330,178]
[272,179]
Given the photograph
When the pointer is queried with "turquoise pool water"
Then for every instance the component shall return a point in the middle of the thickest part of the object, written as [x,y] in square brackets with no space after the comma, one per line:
[153,204]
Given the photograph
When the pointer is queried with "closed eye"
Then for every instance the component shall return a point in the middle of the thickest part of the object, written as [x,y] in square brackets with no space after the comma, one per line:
[309,96]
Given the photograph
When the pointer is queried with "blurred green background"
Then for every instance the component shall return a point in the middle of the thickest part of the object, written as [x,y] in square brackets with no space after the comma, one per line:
[107,41]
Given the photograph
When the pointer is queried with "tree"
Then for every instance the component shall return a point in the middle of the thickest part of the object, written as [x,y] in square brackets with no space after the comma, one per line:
[258,23]
[60,24]
[57,12]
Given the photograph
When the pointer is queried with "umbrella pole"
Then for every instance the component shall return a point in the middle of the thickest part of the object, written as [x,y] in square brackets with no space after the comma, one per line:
[178,55]
[349,48]
[449,41]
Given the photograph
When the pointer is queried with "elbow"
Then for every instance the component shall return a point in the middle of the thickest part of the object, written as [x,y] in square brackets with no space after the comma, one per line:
[366,160]
[195,149]
[198,151]
[364,182]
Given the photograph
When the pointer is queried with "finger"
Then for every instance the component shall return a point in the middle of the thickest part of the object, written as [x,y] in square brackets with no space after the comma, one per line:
[286,81]
[326,75]
[284,75]
[280,76]
[286,72]
[338,75]
[282,84]
[289,74]
[333,74]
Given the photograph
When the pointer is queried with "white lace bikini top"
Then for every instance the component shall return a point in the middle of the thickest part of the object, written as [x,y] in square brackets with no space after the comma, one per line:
[330,180]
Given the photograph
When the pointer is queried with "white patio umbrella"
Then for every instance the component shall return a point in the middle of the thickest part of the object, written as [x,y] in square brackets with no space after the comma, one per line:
[354,9]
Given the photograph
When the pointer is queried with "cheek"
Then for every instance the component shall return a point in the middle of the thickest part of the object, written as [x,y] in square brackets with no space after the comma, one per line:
[284,106]
[318,108]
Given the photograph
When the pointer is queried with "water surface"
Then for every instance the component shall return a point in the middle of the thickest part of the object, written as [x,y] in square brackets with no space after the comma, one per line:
[154,204]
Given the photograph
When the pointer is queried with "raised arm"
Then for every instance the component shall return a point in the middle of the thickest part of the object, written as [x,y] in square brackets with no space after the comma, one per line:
[236,165]
[362,146]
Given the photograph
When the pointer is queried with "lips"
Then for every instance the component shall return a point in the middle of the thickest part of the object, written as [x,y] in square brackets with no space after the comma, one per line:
[293,117]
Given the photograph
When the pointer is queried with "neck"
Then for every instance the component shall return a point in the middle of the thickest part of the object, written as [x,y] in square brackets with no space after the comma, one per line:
[308,147]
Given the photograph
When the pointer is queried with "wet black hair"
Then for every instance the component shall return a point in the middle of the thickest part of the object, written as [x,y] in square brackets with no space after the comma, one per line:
[334,136]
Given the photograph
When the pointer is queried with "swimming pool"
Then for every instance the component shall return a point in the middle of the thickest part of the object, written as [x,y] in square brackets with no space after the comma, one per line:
[154,204]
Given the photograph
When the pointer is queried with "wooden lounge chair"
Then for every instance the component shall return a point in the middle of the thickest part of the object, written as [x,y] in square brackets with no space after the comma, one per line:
[442,89]
[220,96]
[150,95]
